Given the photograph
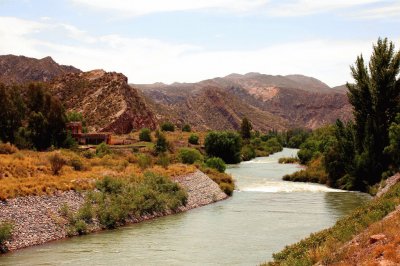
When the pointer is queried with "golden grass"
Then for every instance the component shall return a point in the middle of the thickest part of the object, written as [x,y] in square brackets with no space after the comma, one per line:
[29,173]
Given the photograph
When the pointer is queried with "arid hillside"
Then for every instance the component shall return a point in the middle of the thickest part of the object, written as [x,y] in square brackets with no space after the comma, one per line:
[268,101]
[105,99]
[20,69]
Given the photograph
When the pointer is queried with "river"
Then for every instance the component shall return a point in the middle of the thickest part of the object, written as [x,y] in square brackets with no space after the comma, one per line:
[263,216]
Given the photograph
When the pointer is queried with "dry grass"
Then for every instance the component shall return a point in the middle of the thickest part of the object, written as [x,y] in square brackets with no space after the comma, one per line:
[29,173]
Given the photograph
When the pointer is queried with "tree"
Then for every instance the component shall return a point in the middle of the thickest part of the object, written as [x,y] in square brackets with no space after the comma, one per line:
[161,143]
[226,145]
[12,111]
[245,128]
[167,126]
[145,135]
[393,149]
[186,128]
[375,97]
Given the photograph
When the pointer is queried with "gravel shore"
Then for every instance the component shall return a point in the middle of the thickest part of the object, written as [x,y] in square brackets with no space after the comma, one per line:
[37,220]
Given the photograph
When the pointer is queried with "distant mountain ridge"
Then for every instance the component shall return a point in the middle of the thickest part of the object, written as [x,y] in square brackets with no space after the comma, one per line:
[293,101]
[110,104]
[21,69]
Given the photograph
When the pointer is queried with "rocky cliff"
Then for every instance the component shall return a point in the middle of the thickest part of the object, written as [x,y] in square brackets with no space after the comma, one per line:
[277,102]
[105,99]
[21,69]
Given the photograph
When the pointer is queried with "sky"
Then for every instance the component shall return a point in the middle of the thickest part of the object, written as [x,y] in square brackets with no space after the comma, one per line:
[191,40]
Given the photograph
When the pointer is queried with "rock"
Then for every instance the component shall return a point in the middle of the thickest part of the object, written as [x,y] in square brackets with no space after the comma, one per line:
[375,238]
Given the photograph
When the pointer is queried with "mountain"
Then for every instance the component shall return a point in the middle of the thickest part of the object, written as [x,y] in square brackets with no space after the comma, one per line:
[105,99]
[20,69]
[277,102]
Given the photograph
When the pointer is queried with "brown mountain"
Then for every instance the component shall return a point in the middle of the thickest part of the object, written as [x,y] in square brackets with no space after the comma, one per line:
[20,69]
[268,101]
[105,99]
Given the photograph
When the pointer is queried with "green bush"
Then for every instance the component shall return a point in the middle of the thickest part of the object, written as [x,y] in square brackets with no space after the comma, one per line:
[286,160]
[80,227]
[102,149]
[186,128]
[161,143]
[5,234]
[167,126]
[77,164]
[193,139]
[145,135]
[248,153]
[216,163]
[163,160]
[88,154]
[144,161]
[225,145]
[189,156]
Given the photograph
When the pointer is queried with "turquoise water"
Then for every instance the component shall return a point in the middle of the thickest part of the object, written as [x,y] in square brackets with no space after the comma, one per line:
[263,216]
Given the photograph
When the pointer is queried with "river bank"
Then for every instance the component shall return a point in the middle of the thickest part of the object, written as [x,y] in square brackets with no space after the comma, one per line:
[37,219]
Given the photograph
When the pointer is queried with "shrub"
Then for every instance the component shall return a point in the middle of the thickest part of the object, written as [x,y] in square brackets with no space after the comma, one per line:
[167,126]
[57,162]
[88,154]
[102,149]
[80,227]
[7,148]
[161,144]
[144,161]
[285,160]
[248,153]
[163,160]
[5,234]
[216,163]
[189,156]
[145,135]
[85,213]
[186,128]
[193,139]
[77,164]
[226,145]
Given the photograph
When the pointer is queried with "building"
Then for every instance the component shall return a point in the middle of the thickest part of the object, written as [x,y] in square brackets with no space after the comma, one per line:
[87,138]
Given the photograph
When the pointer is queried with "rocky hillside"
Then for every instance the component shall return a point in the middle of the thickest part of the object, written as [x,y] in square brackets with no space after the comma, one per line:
[105,99]
[268,101]
[21,69]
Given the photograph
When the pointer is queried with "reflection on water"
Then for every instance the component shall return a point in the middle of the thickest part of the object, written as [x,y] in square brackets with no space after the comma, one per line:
[261,218]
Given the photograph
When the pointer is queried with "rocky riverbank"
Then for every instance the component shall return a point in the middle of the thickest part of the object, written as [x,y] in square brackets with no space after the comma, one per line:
[37,219]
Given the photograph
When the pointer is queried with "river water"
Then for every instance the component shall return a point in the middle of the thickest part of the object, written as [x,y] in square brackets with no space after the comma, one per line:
[263,216]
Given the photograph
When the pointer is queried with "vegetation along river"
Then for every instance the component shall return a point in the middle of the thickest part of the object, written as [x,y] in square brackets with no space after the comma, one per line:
[263,216]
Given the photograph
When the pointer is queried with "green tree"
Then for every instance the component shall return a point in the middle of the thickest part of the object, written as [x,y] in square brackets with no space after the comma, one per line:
[12,112]
[145,135]
[167,126]
[245,128]
[186,128]
[226,145]
[375,100]
[161,143]
[393,149]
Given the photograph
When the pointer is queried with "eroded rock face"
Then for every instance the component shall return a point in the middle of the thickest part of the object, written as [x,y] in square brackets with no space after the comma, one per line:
[21,69]
[105,99]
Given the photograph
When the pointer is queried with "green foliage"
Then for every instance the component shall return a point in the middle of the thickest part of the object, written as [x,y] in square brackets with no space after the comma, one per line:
[216,163]
[248,152]
[23,138]
[119,199]
[145,135]
[224,181]
[144,161]
[225,145]
[374,98]
[56,162]
[193,139]
[393,149]
[315,172]
[161,143]
[189,155]
[77,164]
[286,160]
[5,235]
[245,128]
[102,149]
[167,126]
[12,110]
[296,137]
[163,160]
[186,128]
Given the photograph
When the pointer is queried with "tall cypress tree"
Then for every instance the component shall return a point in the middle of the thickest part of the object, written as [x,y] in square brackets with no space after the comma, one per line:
[375,97]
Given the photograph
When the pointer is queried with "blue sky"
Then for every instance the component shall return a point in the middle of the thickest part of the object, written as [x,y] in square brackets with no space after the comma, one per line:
[189,40]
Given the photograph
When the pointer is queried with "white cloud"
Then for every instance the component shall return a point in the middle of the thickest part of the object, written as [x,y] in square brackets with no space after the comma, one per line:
[140,7]
[389,11]
[149,60]
[308,7]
